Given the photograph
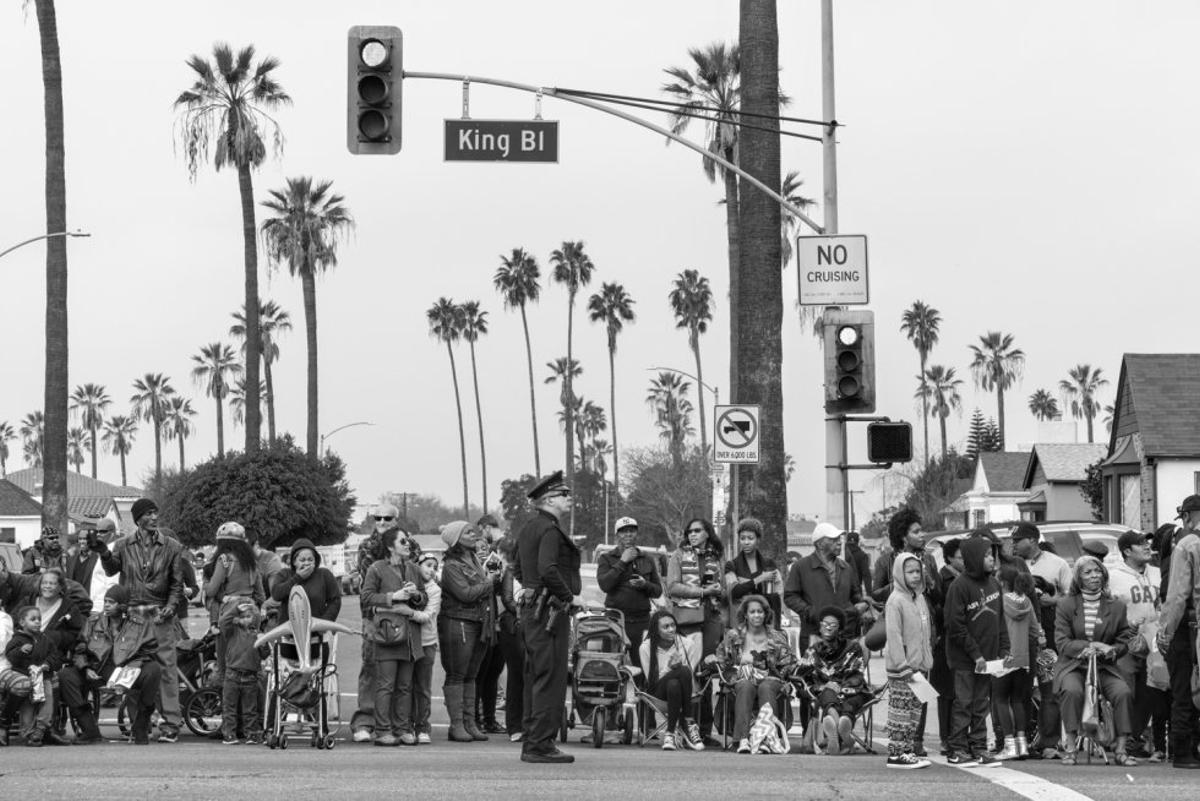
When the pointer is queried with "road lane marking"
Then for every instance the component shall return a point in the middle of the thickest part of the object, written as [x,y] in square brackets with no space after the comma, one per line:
[1035,788]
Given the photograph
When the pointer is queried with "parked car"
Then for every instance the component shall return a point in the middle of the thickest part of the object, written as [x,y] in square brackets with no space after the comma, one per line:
[1067,537]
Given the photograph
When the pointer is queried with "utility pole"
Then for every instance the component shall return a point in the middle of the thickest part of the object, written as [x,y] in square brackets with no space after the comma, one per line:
[836,480]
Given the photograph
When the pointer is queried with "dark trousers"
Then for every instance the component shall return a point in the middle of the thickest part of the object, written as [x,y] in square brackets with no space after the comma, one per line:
[942,679]
[675,687]
[545,678]
[393,701]
[1049,717]
[241,690]
[1114,688]
[1181,659]
[1010,697]
[513,649]
[487,683]
[635,631]
[968,732]
[462,650]
[364,716]
[422,693]
[1150,704]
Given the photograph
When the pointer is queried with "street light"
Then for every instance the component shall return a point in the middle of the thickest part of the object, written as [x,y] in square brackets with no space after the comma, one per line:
[339,428]
[43,236]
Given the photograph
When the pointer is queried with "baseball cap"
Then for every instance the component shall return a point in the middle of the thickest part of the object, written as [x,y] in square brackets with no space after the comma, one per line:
[1095,548]
[625,522]
[1131,538]
[825,531]
[1026,531]
[1190,504]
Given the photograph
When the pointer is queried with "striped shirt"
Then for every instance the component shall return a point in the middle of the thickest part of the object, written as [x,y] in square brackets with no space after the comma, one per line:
[1091,617]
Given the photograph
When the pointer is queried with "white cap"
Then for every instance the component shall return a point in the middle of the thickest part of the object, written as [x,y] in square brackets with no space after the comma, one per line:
[625,522]
[826,531]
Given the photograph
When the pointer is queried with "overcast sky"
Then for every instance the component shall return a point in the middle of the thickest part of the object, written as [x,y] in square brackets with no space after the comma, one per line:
[1024,167]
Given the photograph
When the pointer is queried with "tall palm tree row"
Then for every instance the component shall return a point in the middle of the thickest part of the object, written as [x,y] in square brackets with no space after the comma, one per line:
[565,376]
[77,444]
[1043,405]
[691,301]
[214,366]
[672,411]
[997,365]
[920,324]
[613,307]
[272,321]
[309,222]
[227,110]
[573,269]
[475,325]
[33,438]
[150,404]
[7,435]
[1080,387]
[938,392]
[517,282]
[237,399]
[178,423]
[445,325]
[90,401]
[119,434]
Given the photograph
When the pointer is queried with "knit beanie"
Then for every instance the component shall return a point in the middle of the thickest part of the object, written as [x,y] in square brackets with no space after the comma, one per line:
[141,507]
[452,532]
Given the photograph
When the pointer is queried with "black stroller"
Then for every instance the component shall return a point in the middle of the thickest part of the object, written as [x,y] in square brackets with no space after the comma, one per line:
[601,680]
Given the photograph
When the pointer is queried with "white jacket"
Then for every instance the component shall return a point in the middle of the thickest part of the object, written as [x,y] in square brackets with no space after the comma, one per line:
[1139,591]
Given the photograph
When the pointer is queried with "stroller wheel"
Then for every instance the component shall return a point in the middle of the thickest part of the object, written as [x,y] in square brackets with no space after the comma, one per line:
[627,726]
[598,720]
[283,741]
[329,742]
[202,712]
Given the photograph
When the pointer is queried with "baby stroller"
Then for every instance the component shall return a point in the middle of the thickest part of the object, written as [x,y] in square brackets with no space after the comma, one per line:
[303,685]
[601,679]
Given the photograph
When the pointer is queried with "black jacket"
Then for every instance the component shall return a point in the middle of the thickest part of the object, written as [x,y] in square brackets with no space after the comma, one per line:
[974,612]
[546,557]
[613,576]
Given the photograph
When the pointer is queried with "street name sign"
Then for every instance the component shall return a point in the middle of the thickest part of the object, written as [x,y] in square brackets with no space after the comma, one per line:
[737,434]
[532,141]
[833,270]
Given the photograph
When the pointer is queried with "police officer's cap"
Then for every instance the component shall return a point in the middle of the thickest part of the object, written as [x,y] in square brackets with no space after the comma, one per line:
[552,484]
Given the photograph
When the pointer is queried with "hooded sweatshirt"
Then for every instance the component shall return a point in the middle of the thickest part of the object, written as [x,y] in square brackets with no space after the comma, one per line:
[909,645]
[974,612]
[1021,624]
[324,593]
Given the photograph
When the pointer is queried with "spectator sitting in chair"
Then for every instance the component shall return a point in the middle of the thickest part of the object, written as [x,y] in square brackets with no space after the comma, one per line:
[757,659]
[834,663]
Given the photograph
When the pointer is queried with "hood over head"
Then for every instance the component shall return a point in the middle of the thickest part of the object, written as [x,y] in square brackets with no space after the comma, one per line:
[298,546]
[1017,606]
[898,571]
[974,550]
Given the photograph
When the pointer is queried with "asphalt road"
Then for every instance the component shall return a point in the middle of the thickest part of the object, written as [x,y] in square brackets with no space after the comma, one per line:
[194,769]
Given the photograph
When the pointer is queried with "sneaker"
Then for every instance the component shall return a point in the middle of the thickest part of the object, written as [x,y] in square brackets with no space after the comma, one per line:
[668,742]
[408,738]
[515,737]
[962,759]
[423,738]
[743,746]
[1157,756]
[690,733]
[254,739]
[168,736]
[362,735]
[907,762]
[1049,753]
[231,741]
[988,761]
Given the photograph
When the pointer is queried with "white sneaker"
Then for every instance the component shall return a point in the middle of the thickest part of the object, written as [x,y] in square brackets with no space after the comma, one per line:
[362,735]
[907,762]
[668,742]
[743,747]
[423,738]
[515,737]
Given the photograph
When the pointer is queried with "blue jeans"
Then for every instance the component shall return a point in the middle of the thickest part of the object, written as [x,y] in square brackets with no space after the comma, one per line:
[393,701]
[422,695]
[462,649]
[241,689]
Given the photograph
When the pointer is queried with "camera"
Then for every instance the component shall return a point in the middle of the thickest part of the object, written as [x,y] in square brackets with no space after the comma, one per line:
[493,562]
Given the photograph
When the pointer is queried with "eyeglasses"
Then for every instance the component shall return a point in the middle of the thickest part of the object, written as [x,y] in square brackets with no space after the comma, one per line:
[385,518]
[829,624]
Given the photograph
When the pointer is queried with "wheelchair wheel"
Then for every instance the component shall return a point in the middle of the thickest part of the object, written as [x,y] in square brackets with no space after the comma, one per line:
[598,720]
[202,713]
[562,728]
[283,741]
[627,733]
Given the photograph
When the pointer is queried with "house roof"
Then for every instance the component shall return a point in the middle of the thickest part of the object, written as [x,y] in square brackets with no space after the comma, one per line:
[15,502]
[1164,392]
[1004,470]
[89,507]
[1064,462]
[78,485]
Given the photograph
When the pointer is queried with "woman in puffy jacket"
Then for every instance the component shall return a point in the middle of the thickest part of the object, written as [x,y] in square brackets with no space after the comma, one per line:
[465,625]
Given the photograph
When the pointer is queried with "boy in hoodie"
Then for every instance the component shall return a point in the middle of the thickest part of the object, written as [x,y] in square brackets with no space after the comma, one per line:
[975,634]
[907,651]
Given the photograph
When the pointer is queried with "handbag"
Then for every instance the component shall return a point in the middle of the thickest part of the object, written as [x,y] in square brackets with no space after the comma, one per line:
[876,636]
[768,735]
[1097,718]
[687,615]
[391,628]
[302,688]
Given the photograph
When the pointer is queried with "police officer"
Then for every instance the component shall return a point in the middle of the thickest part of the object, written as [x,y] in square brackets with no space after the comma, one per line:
[548,568]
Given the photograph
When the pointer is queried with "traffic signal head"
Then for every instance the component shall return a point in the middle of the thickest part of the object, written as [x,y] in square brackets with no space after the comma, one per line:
[888,443]
[374,80]
[849,338]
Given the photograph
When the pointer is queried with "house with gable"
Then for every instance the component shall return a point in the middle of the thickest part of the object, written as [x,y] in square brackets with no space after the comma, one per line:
[88,499]
[1053,478]
[20,515]
[1153,455]
[997,488]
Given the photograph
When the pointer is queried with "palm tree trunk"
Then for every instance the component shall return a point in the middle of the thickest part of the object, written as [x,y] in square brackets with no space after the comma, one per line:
[95,447]
[182,464]
[1088,417]
[1000,417]
[123,481]
[700,393]
[479,415]
[612,413]
[270,399]
[54,464]
[568,408]
[942,423]
[220,429]
[733,234]
[925,411]
[253,332]
[760,288]
[537,457]
[308,281]
[157,441]
[462,438]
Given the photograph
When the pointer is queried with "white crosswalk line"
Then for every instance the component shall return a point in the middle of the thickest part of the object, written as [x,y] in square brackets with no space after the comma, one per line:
[1024,784]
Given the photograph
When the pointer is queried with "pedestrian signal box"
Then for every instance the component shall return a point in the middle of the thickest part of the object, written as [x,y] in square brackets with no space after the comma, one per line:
[849,339]
[374,80]
[888,443]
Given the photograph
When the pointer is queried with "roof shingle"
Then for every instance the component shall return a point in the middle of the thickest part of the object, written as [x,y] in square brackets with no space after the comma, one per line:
[1005,470]
[15,502]
[78,485]
[1165,392]
[1064,461]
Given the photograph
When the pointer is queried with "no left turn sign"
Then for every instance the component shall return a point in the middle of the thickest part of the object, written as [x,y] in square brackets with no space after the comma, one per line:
[737,434]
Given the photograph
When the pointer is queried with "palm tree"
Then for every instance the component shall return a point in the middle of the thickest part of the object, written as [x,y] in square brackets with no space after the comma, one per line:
[33,438]
[475,325]
[613,307]
[559,374]
[54,477]
[1081,385]
[446,325]
[672,412]
[1110,411]
[920,323]
[119,433]
[226,108]
[517,282]
[712,88]
[938,391]
[179,423]
[1043,405]
[149,404]
[592,423]
[237,399]
[573,268]
[6,435]
[214,365]
[90,401]
[77,443]
[310,221]
[997,365]
[791,223]
[691,300]
[272,321]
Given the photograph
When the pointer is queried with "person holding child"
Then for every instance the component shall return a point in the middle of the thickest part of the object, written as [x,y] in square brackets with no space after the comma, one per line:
[33,654]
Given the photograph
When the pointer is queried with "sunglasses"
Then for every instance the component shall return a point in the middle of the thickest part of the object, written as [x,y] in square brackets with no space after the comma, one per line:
[385,518]
[697,531]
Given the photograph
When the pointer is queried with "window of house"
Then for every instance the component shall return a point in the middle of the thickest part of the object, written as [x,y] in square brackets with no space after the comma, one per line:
[977,518]
[1131,500]
[8,535]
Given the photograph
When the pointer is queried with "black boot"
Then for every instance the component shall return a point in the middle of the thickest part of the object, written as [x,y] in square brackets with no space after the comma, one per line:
[89,730]
[140,727]
[1183,754]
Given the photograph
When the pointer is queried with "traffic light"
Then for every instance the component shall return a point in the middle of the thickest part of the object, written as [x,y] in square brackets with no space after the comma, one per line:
[888,443]
[849,361]
[374,79]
